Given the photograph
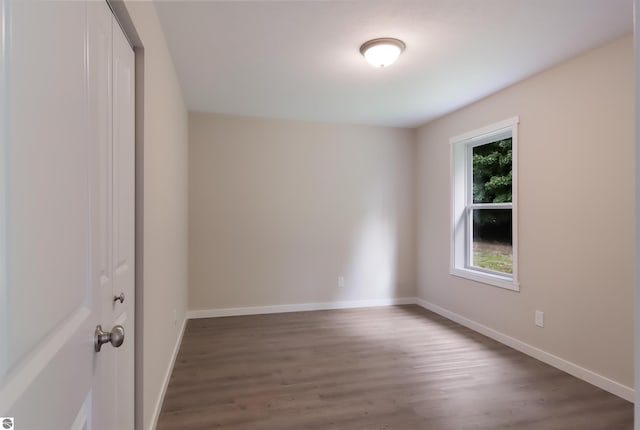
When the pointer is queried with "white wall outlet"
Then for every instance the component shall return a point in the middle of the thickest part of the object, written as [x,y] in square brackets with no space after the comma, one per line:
[175,317]
[540,318]
[340,281]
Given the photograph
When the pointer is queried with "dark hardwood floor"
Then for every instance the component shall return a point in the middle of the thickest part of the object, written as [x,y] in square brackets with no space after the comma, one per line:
[386,368]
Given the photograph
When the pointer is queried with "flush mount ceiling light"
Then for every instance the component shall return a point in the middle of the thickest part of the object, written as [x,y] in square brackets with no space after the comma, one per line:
[382,52]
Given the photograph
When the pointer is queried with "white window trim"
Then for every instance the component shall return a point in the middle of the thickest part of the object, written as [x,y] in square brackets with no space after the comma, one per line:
[460,189]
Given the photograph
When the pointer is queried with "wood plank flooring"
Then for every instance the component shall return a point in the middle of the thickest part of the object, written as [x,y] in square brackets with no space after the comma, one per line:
[386,368]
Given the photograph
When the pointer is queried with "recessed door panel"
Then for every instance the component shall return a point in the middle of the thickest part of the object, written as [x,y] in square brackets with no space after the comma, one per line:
[48,191]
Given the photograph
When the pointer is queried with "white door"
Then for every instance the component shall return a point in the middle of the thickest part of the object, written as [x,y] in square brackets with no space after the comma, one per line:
[111,111]
[57,222]
[123,237]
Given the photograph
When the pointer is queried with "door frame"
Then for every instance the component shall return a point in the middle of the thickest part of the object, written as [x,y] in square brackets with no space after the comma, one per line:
[636,38]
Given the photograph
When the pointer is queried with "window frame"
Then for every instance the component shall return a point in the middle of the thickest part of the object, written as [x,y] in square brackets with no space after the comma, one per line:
[462,203]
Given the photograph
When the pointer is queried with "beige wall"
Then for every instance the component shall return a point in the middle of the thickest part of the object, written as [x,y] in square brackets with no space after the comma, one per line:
[279,209]
[164,210]
[576,167]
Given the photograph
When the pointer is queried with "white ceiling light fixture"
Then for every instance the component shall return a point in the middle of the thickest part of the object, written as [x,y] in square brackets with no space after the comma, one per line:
[382,52]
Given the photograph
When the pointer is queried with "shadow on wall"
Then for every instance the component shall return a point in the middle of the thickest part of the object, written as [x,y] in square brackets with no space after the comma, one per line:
[373,260]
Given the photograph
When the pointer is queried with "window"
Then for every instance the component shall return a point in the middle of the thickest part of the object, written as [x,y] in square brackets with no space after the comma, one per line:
[484,210]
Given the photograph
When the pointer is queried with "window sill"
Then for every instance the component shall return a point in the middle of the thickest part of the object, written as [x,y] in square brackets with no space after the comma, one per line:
[487,278]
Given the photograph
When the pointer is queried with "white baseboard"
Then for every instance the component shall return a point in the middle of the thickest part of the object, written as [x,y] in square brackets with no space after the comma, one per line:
[167,377]
[255,310]
[587,375]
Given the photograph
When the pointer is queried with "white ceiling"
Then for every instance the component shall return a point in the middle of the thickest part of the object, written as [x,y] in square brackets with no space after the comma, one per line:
[300,59]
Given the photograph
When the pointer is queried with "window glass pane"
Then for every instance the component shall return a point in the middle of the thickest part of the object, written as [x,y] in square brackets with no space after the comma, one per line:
[492,241]
[492,172]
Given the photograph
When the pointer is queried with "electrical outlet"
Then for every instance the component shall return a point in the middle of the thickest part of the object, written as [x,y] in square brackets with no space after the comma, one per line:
[340,281]
[540,318]
[175,317]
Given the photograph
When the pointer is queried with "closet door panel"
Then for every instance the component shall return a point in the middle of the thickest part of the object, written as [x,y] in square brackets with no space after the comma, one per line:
[124,218]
